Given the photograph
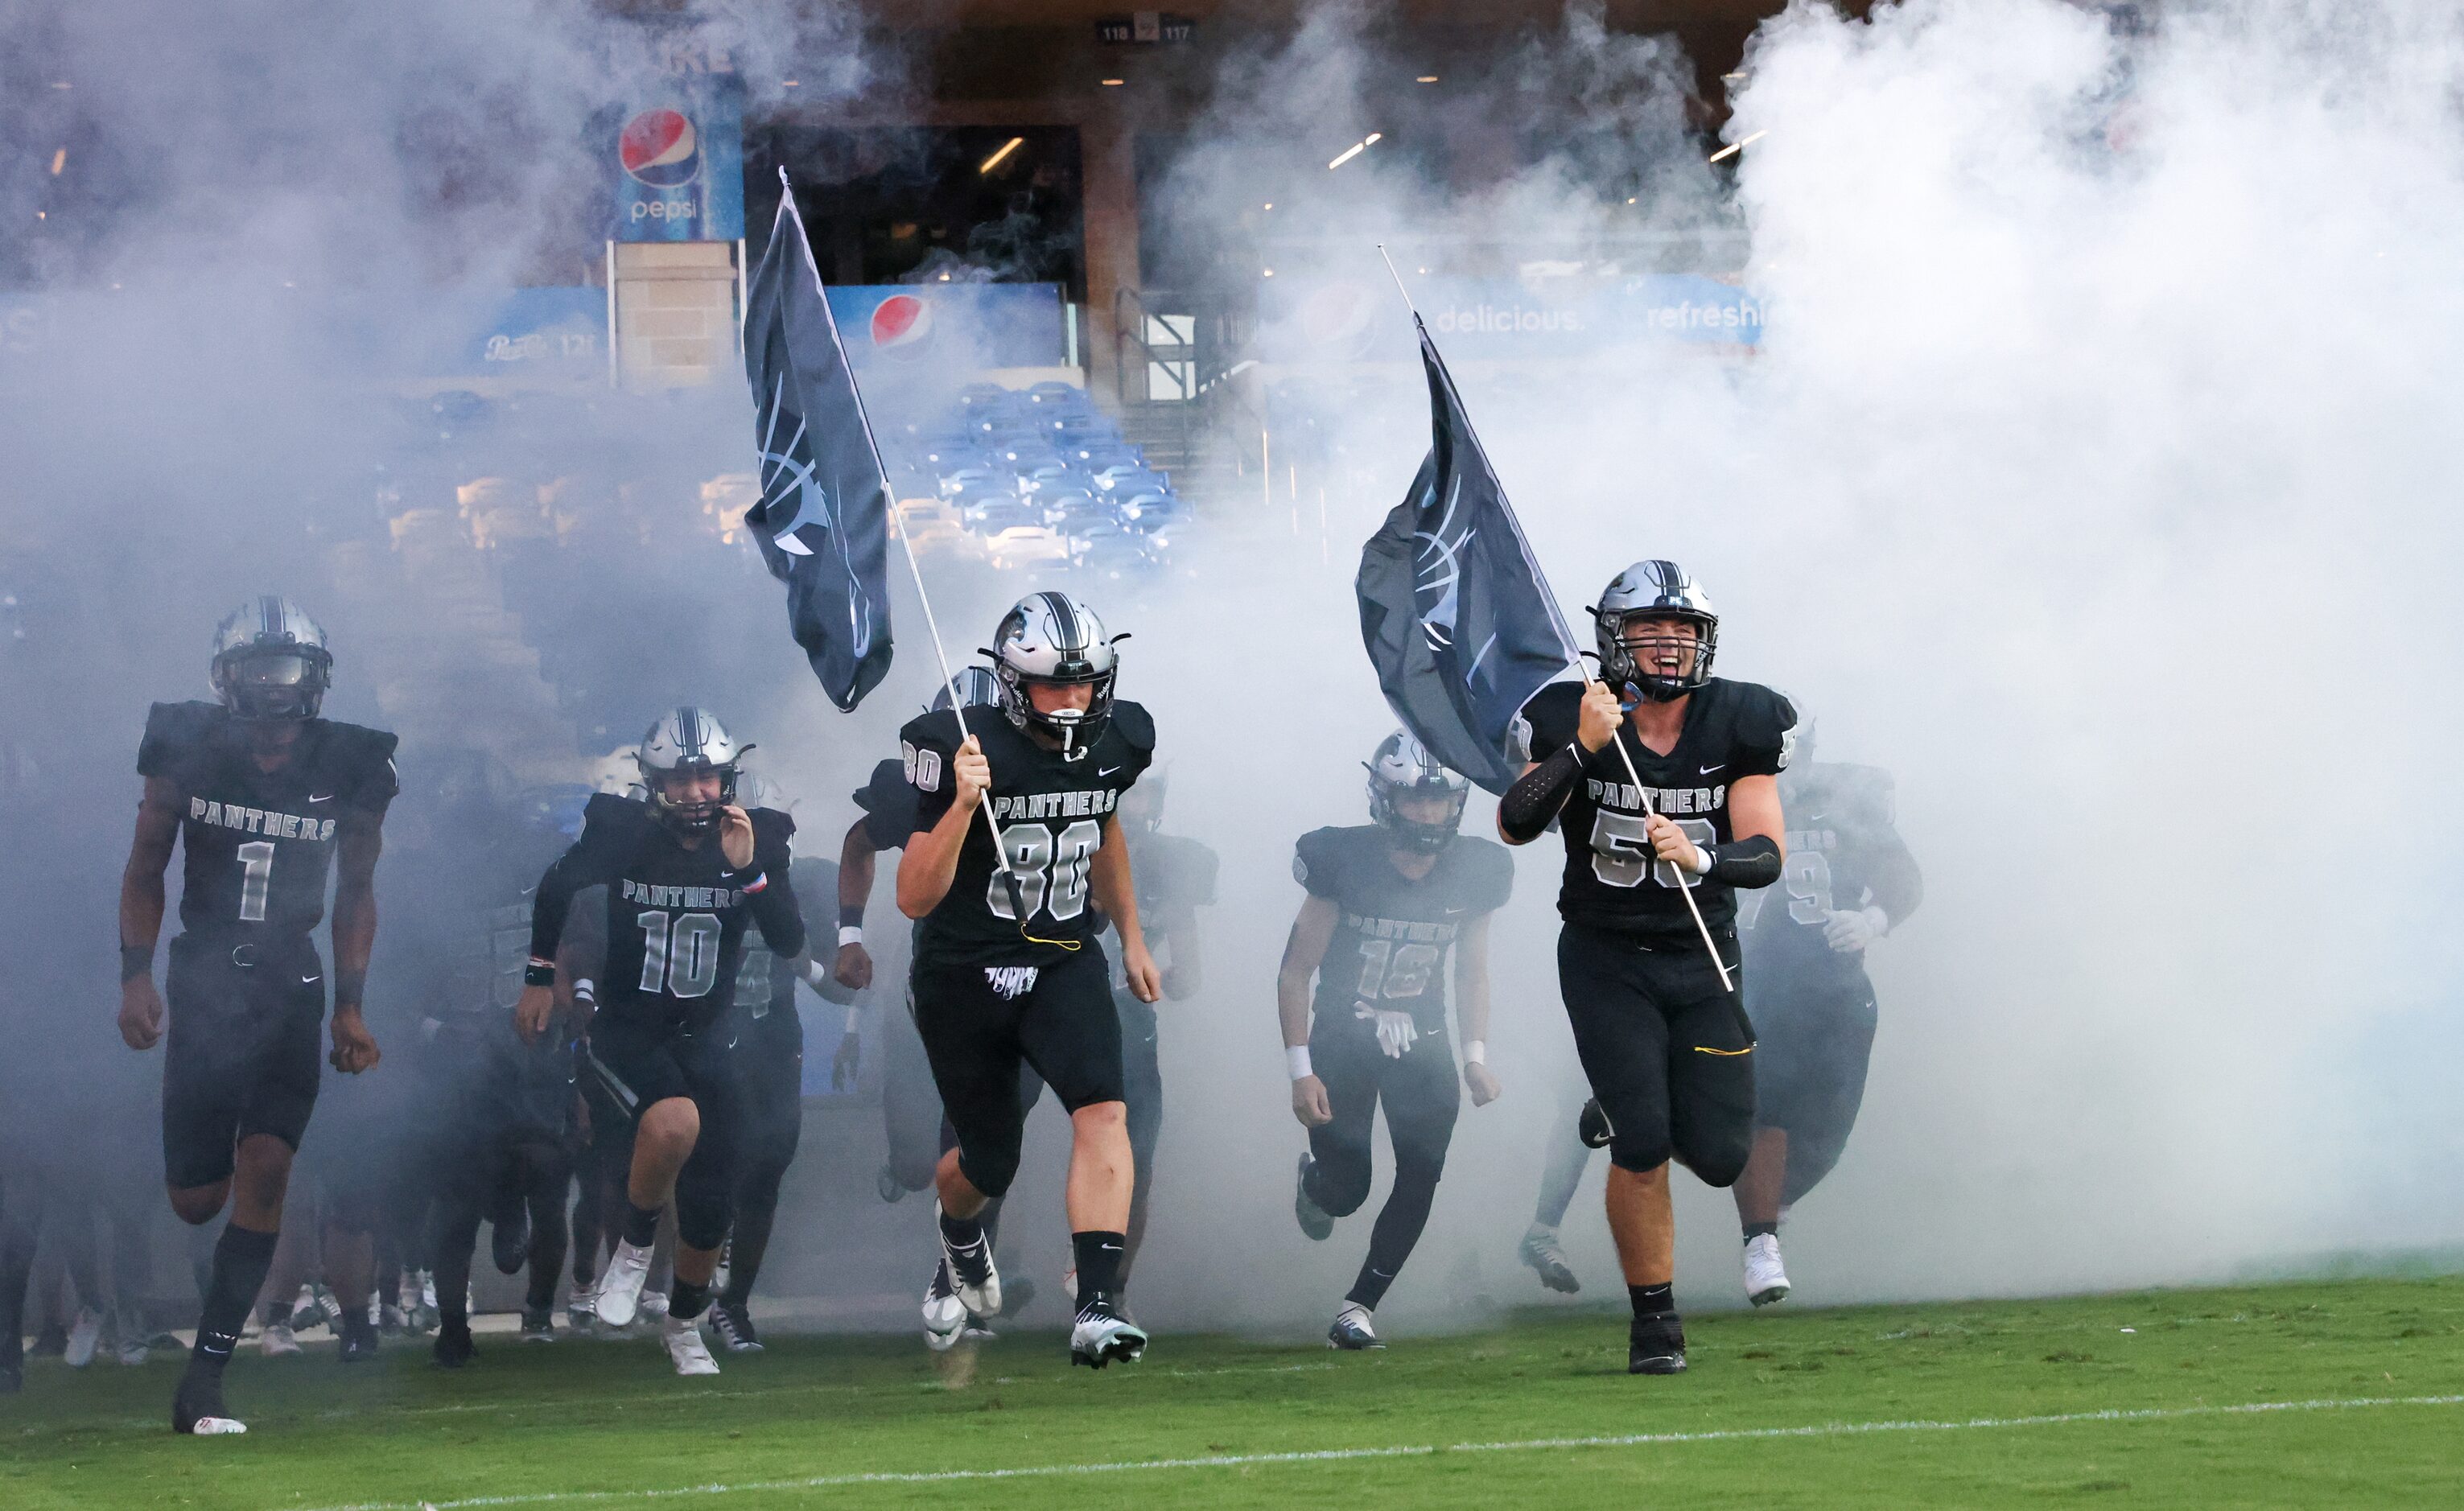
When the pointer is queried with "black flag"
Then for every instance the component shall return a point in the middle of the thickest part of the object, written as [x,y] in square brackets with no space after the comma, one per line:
[824,519]
[1460,625]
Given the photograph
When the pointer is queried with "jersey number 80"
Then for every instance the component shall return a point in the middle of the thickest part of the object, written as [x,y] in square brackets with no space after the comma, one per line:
[1051,874]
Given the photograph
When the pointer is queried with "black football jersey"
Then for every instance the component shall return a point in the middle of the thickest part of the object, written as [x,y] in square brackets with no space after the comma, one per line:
[1844,853]
[1051,813]
[1732,729]
[889,803]
[259,845]
[1390,948]
[675,917]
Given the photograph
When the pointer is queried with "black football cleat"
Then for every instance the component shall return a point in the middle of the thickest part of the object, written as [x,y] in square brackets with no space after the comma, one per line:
[1655,1344]
[509,1239]
[1592,1126]
[197,1406]
[359,1337]
[734,1326]
[1102,1336]
[453,1347]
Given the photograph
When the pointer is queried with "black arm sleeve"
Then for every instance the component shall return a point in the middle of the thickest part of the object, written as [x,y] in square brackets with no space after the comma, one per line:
[582,866]
[1524,813]
[1751,861]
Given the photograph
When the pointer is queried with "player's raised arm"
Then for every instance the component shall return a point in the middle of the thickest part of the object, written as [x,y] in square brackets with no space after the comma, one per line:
[1303,952]
[140,911]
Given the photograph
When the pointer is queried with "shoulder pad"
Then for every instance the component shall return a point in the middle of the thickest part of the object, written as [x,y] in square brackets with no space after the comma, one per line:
[608,813]
[1764,717]
[361,751]
[1317,861]
[1551,715]
[1132,722]
[939,728]
[770,825]
[173,729]
[1491,866]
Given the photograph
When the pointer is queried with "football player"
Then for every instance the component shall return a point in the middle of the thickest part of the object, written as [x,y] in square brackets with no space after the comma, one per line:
[505,1142]
[1665,1042]
[686,869]
[1387,903]
[767,1036]
[1008,968]
[1848,881]
[265,799]
[1176,877]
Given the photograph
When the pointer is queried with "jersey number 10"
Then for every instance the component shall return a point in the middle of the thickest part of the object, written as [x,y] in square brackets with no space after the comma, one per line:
[683,958]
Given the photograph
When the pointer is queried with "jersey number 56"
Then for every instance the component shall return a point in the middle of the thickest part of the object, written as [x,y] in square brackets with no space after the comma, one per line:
[1621,848]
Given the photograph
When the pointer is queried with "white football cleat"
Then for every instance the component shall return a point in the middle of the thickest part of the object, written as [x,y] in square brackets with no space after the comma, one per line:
[619,1290]
[277,1341]
[945,1316]
[1766,1280]
[1103,1335]
[1352,1330]
[85,1334]
[685,1347]
[973,1273]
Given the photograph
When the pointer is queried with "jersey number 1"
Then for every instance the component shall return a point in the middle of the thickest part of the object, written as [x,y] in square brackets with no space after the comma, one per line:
[255,879]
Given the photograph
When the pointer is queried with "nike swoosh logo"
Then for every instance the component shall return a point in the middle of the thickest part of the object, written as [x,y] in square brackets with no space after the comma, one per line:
[325,797]
[310,980]
[1708,770]
[1108,770]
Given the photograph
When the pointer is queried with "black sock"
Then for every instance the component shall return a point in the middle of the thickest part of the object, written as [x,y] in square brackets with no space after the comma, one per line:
[1650,1300]
[961,1231]
[1099,1264]
[686,1299]
[641,1225]
[1757,1230]
[241,1257]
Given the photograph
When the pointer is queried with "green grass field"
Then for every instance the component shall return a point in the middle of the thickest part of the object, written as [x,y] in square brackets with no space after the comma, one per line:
[2320,1393]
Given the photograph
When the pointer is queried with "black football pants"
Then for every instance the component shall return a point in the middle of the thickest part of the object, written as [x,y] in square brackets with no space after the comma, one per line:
[1664,1048]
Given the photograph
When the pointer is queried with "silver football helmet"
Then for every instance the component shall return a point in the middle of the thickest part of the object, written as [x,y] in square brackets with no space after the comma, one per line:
[1662,590]
[1403,768]
[271,661]
[978,688]
[1051,638]
[687,740]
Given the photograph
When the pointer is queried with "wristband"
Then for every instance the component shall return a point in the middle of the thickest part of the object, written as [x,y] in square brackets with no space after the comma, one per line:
[850,934]
[755,888]
[538,973]
[1296,1059]
[850,915]
[814,975]
[135,960]
[586,992]
[1476,1051]
[1703,861]
[855,1018]
[350,986]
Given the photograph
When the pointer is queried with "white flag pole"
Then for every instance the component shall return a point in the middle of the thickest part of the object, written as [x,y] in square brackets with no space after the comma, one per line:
[1575,660]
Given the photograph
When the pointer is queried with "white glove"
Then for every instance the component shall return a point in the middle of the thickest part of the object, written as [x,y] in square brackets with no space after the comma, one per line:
[1849,933]
[1395,1031]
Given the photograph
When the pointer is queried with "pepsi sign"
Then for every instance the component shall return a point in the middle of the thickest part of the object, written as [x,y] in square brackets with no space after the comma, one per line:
[680,165]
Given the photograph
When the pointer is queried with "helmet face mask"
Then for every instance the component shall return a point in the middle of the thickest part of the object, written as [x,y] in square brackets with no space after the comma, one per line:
[1401,771]
[1630,662]
[270,663]
[688,742]
[1053,640]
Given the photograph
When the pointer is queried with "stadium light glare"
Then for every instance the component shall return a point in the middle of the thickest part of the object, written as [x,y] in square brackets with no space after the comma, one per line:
[1002,153]
[790,83]
[1268,273]
[59,161]
[1114,83]
[1426,79]
[1354,150]
[1736,147]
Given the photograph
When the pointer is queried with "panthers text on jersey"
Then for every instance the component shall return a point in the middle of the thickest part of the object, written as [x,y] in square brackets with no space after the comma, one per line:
[259,845]
[1732,729]
[1390,943]
[675,917]
[1051,814]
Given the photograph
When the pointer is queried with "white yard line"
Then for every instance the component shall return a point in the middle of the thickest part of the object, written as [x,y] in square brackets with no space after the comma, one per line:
[1340,1454]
